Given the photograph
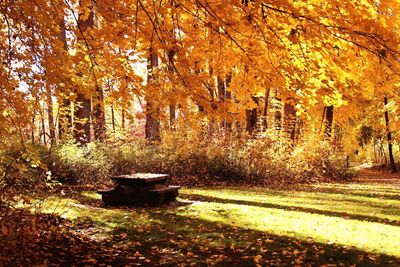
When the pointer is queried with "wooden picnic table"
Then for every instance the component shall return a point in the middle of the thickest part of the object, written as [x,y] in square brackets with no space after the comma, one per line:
[140,179]
[140,188]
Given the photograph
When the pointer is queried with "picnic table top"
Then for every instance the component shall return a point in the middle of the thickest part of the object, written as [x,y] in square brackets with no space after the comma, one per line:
[145,177]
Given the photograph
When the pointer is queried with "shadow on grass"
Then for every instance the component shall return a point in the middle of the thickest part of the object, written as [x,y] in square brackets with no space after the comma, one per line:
[175,239]
[350,192]
[370,193]
[331,196]
[372,202]
[153,236]
[345,215]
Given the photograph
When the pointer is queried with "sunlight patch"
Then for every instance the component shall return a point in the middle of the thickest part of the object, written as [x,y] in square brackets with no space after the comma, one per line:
[367,236]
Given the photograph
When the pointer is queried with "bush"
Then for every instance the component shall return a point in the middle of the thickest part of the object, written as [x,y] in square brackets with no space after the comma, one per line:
[21,168]
[194,160]
[72,163]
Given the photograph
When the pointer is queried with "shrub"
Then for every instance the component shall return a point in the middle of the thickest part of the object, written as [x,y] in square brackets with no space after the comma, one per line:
[72,163]
[21,168]
[194,159]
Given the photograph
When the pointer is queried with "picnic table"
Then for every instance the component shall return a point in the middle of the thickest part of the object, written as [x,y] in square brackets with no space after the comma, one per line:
[140,188]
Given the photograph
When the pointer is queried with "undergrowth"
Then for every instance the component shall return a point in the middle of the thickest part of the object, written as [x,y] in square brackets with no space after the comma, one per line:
[190,159]
[195,160]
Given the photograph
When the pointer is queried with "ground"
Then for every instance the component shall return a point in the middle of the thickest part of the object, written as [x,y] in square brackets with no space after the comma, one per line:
[341,224]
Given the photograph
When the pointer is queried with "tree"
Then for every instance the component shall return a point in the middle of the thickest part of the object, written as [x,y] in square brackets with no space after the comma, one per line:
[389,138]
[83,104]
[289,119]
[152,111]
[317,54]
[328,121]
[64,112]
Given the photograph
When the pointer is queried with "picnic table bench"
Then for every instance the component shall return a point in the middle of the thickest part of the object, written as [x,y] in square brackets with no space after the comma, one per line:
[140,188]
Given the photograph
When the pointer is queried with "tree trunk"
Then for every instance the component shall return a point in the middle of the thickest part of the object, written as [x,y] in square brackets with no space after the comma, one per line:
[99,120]
[33,129]
[83,103]
[112,118]
[50,115]
[82,119]
[375,156]
[171,71]
[98,113]
[322,120]
[197,72]
[64,116]
[382,152]
[43,130]
[289,120]
[221,98]
[329,121]
[251,117]
[123,118]
[228,80]
[389,137]
[278,113]
[152,127]
[265,113]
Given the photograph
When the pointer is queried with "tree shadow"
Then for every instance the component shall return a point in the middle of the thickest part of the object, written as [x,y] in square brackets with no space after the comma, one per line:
[360,194]
[326,190]
[175,239]
[157,236]
[359,217]
[325,197]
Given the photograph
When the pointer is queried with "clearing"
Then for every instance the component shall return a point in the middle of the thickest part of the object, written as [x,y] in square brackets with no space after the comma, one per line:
[343,224]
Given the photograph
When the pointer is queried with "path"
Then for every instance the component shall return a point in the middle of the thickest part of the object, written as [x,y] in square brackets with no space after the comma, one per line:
[378,176]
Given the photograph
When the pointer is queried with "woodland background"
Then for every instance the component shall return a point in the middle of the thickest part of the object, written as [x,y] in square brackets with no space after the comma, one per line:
[244,90]
[271,93]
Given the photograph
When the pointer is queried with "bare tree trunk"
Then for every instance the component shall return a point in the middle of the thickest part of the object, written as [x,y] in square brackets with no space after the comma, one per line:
[43,130]
[152,127]
[389,137]
[123,118]
[33,129]
[171,70]
[112,118]
[329,121]
[299,125]
[265,113]
[99,120]
[322,120]
[228,96]
[278,112]
[382,152]
[82,119]
[252,117]
[375,156]
[221,97]
[289,120]
[50,115]
[337,136]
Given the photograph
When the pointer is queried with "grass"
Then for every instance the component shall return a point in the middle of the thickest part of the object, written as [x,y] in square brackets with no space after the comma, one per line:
[340,223]
[302,215]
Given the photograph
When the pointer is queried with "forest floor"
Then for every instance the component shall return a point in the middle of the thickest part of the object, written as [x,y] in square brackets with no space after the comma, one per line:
[335,224]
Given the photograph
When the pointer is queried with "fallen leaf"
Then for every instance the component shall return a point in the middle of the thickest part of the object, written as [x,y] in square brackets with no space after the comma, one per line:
[257,258]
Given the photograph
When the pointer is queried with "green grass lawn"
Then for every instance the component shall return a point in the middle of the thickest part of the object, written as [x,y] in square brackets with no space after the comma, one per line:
[328,223]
